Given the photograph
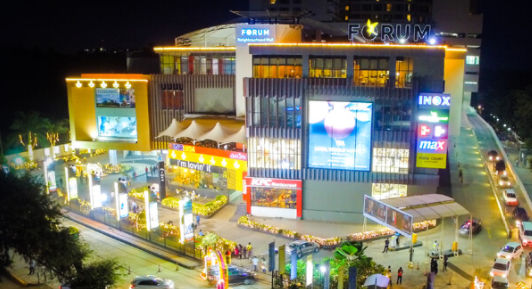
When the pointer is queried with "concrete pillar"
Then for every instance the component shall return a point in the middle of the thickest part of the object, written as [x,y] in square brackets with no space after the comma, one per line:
[350,73]
[113,158]
[305,65]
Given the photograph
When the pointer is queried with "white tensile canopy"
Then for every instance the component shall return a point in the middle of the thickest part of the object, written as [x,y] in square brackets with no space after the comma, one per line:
[238,137]
[377,281]
[193,131]
[174,128]
[218,133]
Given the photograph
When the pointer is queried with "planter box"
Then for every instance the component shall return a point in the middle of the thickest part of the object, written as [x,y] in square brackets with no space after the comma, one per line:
[204,217]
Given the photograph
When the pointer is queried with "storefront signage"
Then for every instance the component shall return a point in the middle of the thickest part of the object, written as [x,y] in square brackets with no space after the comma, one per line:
[186,221]
[431,160]
[254,35]
[123,206]
[389,32]
[162,180]
[274,183]
[434,117]
[73,188]
[208,151]
[439,146]
[434,100]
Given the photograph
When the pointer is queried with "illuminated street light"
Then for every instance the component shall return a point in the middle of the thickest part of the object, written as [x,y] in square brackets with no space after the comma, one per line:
[509,129]
[504,125]
[497,119]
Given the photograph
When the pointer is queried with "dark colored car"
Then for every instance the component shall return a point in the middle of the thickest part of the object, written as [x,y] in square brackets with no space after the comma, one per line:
[500,167]
[464,229]
[236,275]
[520,215]
[493,155]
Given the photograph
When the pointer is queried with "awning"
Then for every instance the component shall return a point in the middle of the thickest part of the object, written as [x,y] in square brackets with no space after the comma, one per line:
[218,133]
[428,207]
[239,137]
[174,128]
[194,130]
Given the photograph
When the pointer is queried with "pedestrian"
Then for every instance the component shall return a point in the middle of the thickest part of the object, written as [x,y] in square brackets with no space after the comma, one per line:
[255,263]
[386,245]
[146,170]
[400,276]
[134,175]
[237,252]
[228,256]
[263,265]
[517,163]
[200,233]
[249,247]
[61,183]
[445,259]
[390,274]
[32,267]
[197,220]
[397,239]
[240,251]
[245,252]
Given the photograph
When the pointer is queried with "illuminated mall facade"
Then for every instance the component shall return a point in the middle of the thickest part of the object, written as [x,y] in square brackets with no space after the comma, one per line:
[303,128]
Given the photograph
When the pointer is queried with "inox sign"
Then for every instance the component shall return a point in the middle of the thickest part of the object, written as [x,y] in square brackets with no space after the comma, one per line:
[439,100]
[389,32]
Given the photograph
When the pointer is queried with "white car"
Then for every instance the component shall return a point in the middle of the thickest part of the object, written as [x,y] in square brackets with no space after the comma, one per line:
[504,182]
[501,268]
[510,198]
[151,282]
[498,282]
[525,233]
[510,251]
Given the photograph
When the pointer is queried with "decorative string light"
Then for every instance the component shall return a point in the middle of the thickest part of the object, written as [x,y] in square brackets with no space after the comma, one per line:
[128,85]
[91,84]
[103,85]
[115,85]
[78,84]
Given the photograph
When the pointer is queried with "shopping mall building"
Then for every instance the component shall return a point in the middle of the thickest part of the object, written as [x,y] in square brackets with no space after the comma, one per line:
[301,127]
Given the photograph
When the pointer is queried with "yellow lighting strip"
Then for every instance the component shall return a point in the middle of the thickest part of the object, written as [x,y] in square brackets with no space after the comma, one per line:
[457,49]
[106,79]
[350,45]
[195,48]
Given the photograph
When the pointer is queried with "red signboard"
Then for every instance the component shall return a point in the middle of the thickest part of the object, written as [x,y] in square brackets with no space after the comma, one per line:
[209,151]
[274,183]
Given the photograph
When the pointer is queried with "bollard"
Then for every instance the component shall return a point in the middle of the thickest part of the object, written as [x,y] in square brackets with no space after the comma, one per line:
[158,268]
[176,266]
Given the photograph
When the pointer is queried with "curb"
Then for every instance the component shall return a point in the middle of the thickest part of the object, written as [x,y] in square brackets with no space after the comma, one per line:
[14,277]
[135,245]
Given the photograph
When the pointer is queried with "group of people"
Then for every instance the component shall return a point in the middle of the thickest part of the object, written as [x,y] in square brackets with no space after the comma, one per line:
[399,275]
[151,170]
[241,251]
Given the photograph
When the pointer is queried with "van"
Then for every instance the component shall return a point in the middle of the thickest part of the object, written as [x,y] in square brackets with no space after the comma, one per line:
[525,233]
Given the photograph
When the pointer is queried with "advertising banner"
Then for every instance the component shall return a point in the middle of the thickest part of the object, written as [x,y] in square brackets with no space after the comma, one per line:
[96,196]
[274,183]
[115,97]
[52,185]
[271,253]
[429,160]
[293,264]
[282,259]
[186,221]
[152,211]
[162,180]
[388,216]
[433,116]
[123,206]
[340,135]
[154,215]
[73,188]
[310,270]
[326,274]
[117,127]
[209,151]
[438,146]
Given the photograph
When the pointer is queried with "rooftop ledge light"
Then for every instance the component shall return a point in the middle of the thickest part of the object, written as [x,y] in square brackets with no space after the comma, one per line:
[342,45]
[195,48]
[106,79]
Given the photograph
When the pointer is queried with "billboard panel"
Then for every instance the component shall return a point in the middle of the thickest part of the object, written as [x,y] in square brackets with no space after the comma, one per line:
[115,97]
[388,216]
[123,206]
[186,221]
[431,160]
[117,127]
[73,188]
[154,215]
[52,184]
[340,135]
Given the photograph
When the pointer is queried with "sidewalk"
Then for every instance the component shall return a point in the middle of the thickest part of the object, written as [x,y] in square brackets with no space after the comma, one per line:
[18,273]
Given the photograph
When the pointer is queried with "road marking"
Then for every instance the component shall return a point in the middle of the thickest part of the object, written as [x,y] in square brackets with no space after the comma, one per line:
[489,234]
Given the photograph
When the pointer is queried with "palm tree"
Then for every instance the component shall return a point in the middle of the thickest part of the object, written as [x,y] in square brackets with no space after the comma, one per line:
[30,128]
[55,130]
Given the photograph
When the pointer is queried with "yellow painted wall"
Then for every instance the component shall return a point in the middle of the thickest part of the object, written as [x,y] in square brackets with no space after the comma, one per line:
[82,112]
[453,74]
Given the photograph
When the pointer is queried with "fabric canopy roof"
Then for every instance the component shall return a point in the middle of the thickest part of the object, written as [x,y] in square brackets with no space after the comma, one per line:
[239,137]
[428,207]
[174,128]
[218,133]
[194,130]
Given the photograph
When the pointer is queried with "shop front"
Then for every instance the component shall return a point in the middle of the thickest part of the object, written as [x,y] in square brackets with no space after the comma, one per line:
[274,197]
[207,168]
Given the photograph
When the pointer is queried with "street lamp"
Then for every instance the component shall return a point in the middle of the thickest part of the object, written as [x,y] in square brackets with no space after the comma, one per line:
[509,129]
[504,125]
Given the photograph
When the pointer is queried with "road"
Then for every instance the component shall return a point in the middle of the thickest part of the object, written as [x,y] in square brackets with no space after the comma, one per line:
[142,263]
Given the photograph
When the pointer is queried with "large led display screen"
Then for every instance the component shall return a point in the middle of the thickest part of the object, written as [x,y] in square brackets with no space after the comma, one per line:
[117,127]
[115,97]
[340,135]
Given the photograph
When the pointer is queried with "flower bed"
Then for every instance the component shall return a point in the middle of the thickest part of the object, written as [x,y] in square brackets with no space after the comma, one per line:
[207,210]
[138,193]
[244,221]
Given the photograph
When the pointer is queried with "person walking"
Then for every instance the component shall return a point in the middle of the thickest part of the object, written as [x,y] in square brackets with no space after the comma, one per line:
[445,260]
[400,276]
[146,170]
[245,252]
[240,250]
[255,263]
[237,252]
[397,235]
[197,220]
[200,233]
[249,248]
[134,174]
[32,267]
[390,275]
[228,256]
[386,245]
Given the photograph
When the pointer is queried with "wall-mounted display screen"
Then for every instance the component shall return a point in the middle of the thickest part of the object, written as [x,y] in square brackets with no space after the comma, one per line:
[115,97]
[117,127]
[340,135]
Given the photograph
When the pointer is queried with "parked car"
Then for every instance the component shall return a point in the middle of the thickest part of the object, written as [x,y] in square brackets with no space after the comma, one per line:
[151,282]
[500,168]
[510,198]
[493,155]
[302,248]
[464,229]
[520,215]
[504,181]
[510,251]
[525,233]
[498,282]
[236,275]
[501,267]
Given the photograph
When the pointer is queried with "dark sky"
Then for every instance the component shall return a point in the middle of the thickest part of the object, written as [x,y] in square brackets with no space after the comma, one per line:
[70,26]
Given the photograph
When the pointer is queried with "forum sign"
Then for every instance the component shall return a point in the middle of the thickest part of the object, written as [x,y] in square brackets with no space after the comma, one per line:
[387,32]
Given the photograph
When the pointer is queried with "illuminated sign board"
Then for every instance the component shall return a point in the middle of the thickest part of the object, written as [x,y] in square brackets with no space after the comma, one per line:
[254,35]
[152,212]
[434,116]
[340,135]
[389,32]
[388,216]
[441,131]
[432,146]
[425,130]
[209,151]
[274,183]
[73,188]
[123,206]
[96,196]
[186,221]
[434,100]
[117,127]
[431,160]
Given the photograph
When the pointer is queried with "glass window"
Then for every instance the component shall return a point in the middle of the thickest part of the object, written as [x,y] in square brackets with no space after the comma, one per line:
[390,160]
[277,67]
[404,67]
[392,115]
[273,153]
[270,197]
[472,60]
[381,191]
[274,112]
[371,72]
[198,64]
[327,67]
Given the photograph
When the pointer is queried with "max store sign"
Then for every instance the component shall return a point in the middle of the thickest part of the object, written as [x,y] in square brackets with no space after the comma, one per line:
[389,32]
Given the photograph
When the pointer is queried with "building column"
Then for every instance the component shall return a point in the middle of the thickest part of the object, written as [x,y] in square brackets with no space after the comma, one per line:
[350,74]
[305,65]
[113,158]
[391,65]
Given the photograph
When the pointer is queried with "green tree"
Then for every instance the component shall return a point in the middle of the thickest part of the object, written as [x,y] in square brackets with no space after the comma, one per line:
[57,131]
[98,274]
[28,129]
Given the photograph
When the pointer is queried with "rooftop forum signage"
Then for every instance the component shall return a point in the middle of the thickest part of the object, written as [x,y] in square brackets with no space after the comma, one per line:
[388,32]
[254,35]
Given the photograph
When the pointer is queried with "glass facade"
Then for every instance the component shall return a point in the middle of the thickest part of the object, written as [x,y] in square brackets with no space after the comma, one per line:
[277,67]
[381,191]
[212,64]
[272,197]
[197,179]
[327,67]
[272,153]
[390,160]
[274,112]
[404,68]
[371,72]
[393,115]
